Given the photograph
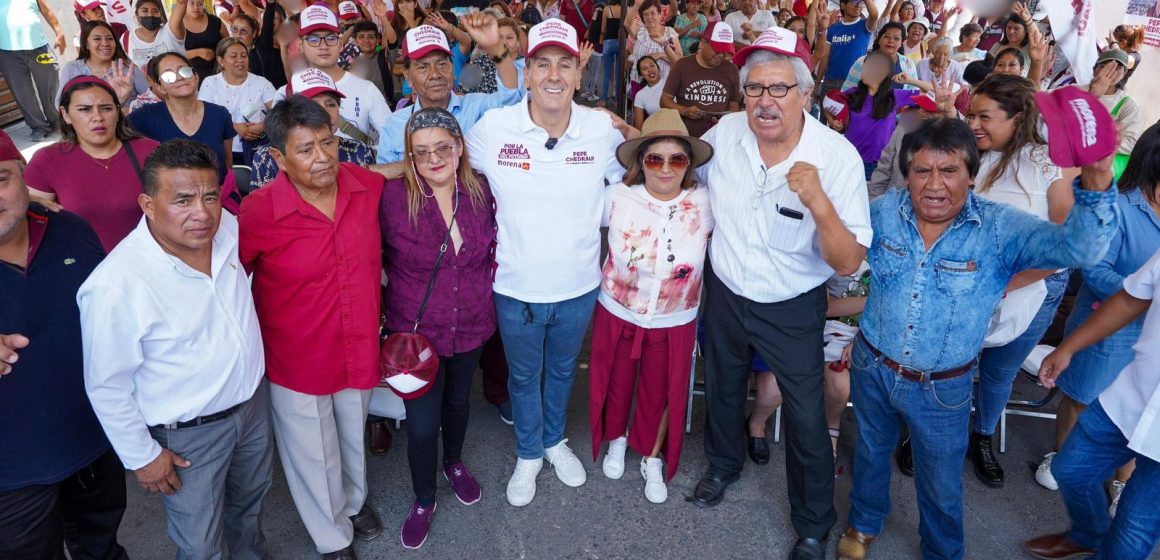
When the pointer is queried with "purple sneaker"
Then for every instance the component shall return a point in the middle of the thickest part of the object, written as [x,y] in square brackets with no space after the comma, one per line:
[417,525]
[465,486]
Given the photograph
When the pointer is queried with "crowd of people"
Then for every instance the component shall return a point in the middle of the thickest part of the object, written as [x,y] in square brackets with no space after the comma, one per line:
[825,206]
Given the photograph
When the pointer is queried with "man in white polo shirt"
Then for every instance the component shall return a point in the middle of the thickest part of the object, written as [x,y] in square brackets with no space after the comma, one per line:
[364,110]
[790,201]
[547,161]
[1123,424]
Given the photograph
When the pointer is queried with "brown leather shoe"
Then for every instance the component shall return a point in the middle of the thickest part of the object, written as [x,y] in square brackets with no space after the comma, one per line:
[854,545]
[1055,547]
[380,437]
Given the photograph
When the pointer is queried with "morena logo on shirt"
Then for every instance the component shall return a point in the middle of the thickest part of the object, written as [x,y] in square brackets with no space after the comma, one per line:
[514,151]
[516,164]
[579,157]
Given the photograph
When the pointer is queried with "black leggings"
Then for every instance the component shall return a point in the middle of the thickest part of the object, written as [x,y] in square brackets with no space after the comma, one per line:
[445,405]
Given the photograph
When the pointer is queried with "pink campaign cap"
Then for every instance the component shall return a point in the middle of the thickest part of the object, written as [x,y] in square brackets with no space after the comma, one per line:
[553,33]
[82,5]
[1080,130]
[311,82]
[422,40]
[317,17]
[720,37]
[348,10]
[778,40]
[8,148]
[836,105]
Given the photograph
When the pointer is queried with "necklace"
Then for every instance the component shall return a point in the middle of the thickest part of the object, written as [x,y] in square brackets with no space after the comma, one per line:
[103,162]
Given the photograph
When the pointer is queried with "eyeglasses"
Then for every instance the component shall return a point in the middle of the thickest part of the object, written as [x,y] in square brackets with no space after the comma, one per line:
[315,40]
[169,77]
[240,30]
[444,151]
[890,38]
[655,162]
[776,91]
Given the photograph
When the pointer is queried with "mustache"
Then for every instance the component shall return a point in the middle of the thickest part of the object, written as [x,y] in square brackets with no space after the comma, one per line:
[768,112]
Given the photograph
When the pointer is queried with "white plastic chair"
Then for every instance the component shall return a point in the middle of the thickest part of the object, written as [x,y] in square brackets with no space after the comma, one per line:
[698,389]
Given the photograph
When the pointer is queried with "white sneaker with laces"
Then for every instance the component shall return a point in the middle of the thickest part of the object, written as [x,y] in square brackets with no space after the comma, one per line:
[521,487]
[567,466]
[1043,473]
[654,480]
[614,458]
[1114,490]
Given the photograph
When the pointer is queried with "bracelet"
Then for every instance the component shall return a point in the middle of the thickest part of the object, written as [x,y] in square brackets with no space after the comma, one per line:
[498,59]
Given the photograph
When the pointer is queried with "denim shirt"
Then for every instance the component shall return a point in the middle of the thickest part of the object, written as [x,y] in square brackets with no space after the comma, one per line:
[930,309]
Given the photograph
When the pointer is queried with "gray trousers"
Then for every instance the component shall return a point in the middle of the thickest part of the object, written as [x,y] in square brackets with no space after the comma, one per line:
[34,78]
[222,490]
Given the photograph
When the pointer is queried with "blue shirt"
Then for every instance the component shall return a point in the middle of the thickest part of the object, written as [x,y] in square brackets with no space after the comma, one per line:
[49,429]
[929,309]
[848,41]
[154,121]
[467,110]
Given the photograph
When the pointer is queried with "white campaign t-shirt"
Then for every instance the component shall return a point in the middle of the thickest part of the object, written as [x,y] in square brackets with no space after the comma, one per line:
[1133,399]
[364,105]
[549,202]
[246,102]
[141,52]
[1025,188]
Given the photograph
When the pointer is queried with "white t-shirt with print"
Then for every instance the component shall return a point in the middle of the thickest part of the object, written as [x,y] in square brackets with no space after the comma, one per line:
[141,52]
[246,102]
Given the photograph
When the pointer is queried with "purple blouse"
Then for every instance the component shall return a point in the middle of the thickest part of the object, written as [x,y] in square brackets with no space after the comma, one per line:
[460,315]
[870,135]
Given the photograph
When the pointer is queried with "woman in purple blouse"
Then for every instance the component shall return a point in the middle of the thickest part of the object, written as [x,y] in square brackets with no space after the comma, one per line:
[438,194]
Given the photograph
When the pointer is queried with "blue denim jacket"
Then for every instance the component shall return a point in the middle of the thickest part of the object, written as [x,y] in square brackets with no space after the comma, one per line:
[929,310]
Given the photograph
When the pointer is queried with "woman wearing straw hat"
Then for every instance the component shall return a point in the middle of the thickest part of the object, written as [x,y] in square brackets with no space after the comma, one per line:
[658,222]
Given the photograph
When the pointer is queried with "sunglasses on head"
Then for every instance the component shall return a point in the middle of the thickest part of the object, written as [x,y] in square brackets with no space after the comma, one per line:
[170,77]
[655,162]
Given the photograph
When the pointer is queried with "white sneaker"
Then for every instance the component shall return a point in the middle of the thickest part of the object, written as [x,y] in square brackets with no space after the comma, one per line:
[654,480]
[1114,490]
[521,487]
[614,459]
[1043,473]
[567,466]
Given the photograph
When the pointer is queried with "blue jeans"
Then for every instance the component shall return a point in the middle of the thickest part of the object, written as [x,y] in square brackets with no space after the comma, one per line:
[1095,448]
[998,366]
[611,64]
[937,413]
[542,341]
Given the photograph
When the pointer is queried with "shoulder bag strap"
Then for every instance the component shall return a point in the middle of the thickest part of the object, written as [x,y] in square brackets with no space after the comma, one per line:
[133,160]
[434,273]
[353,131]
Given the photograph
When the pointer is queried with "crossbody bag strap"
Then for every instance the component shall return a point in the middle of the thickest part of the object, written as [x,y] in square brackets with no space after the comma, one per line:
[434,273]
[353,131]
[133,160]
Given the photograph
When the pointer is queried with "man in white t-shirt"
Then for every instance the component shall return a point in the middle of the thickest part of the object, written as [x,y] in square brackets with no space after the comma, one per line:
[1120,426]
[364,110]
[748,22]
[547,161]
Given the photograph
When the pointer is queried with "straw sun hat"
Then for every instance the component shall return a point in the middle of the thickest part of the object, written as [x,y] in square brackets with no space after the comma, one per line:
[665,123]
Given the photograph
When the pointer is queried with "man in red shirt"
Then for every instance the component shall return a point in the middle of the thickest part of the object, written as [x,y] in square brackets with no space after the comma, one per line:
[311,239]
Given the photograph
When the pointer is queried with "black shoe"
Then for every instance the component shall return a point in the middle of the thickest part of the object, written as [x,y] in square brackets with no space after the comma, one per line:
[758,446]
[344,554]
[807,549]
[711,489]
[987,466]
[904,456]
[366,523]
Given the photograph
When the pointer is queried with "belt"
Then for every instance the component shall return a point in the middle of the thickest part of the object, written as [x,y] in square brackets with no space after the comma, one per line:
[911,374]
[201,420]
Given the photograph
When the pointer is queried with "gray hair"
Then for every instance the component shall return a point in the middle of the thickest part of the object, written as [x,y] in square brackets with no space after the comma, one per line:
[801,74]
[942,42]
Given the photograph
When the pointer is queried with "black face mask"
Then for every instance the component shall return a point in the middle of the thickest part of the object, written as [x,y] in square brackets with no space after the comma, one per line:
[152,23]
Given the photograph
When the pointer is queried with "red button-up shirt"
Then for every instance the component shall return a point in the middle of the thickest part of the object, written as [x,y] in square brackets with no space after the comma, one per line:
[317,282]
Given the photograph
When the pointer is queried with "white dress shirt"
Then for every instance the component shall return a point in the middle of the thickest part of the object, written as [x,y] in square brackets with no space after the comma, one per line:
[758,252]
[164,343]
[761,20]
[1133,399]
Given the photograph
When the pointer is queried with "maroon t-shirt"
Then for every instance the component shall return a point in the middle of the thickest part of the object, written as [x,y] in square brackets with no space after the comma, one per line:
[710,89]
[106,198]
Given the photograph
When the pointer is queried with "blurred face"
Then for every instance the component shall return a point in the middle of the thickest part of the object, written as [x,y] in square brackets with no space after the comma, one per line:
[195,7]
[13,198]
[651,17]
[906,12]
[236,62]
[799,28]
[889,41]
[1015,32]
[692,7]
[992,126]
[935,6]
[92,113]
[325,54]
[311,158]
[552,76]
[774,119]
[915,33]
[367,41]
[1008,64]
[101,44]
[649,71]
[875,69]
[436,155]
[971,41]
[510,39]
[938,183]
[181,87]
[664,164]
[184,213]
[783,16]
[331,104]
[431,78]
[940,57]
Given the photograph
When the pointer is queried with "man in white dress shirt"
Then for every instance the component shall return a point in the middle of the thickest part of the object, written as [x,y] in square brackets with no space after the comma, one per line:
[790,199]
[173,359]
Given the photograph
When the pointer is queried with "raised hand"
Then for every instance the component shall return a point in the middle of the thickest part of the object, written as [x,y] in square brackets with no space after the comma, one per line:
[380,10]
[483,29]
[944,94]
[121,78]
[1020,9]
[804,180]
[586,50]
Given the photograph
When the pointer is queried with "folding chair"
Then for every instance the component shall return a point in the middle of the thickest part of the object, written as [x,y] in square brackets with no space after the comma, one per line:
[1028,408]
[697,388]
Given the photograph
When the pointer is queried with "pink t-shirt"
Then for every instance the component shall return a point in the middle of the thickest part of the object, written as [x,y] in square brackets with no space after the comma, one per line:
[106,198]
